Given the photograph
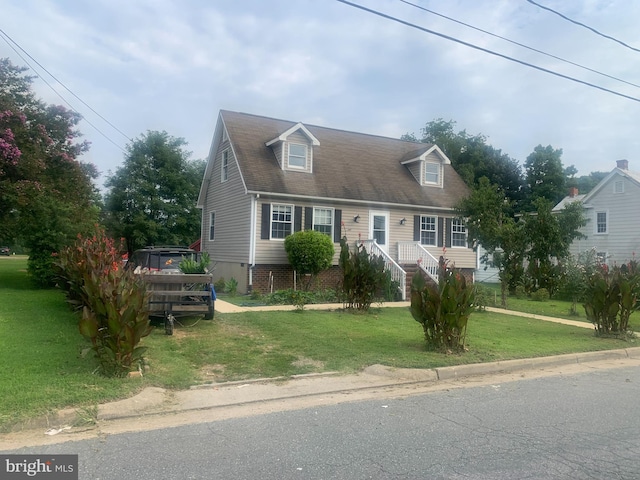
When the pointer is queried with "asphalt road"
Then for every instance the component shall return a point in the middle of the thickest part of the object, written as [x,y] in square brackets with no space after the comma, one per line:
[577,426]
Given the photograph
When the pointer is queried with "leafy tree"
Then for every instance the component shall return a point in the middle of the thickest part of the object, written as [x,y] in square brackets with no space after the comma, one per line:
[152,198]
[545,175]
[586,183]
[473,158]
[309,252]
[549,237]
[46,193]
[489,220]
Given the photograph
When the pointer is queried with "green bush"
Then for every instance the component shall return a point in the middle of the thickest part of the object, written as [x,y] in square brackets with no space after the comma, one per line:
[443,310]
[309,252]
[521,291]
[540,295]
[219,285]
[611,296]
[483,297]
[231,287]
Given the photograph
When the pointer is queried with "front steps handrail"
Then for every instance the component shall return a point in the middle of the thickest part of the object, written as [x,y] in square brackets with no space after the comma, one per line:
[414,252]
[397,273]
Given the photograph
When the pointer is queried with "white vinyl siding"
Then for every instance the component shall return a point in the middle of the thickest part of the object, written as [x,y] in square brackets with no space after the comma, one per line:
[428,230]
[618,186]
[458,233]
[323,220]
[281,221]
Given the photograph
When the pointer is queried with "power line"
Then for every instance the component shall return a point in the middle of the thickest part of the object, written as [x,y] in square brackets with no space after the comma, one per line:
[520,44]
[491,52]
[583,25]
[9,42]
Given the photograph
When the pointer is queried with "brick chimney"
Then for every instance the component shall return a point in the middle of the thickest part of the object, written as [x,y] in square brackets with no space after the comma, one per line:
[573,191]
[622,164]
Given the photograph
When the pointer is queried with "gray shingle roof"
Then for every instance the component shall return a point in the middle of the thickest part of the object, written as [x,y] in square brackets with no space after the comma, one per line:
[346,165]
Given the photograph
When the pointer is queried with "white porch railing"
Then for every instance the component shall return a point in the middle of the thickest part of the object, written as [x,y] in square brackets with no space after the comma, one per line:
[397,273]
[413,252]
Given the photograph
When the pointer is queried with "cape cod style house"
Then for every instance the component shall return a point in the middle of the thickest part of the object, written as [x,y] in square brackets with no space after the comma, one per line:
[267,178]
[611,208]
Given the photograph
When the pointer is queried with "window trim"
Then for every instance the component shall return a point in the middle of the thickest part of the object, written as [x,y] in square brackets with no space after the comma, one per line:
[305,157]
[212,226]
[331,217]
[438,173]
[435,230]
[606,222]
[292,207]
[224,166]
[458,222]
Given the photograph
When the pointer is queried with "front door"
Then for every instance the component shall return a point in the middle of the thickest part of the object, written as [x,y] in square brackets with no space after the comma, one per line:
[379,228]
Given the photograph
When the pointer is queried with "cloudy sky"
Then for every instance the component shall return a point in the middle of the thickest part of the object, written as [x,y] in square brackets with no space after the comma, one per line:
[172,65]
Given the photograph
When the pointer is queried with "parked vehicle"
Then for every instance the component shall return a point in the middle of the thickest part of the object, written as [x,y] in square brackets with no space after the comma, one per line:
[164,259]
[5,251]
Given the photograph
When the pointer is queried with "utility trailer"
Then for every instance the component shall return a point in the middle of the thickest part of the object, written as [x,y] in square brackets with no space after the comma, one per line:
[179,295]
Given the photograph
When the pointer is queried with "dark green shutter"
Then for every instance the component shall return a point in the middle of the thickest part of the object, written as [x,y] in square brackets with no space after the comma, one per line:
[440,231]
[297,219]
[448,233]
[416,228]
[266,221]
[337,225]
[308,218]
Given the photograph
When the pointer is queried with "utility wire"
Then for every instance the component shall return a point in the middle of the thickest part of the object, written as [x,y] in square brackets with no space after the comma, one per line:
[520,44]
[491,52]
[583,25]
[7,38]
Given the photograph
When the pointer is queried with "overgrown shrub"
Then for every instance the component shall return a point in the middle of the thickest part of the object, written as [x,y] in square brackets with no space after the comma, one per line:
[364,276]
[219,285]
[521,291]
[309,252]
[116,319]
[115,314]
[443,309]
[483,297]
[611,296]
[231,287]
[294,297]
[540,295]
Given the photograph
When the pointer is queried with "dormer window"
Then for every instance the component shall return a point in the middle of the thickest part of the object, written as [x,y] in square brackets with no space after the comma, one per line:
[432,173]
[297,156]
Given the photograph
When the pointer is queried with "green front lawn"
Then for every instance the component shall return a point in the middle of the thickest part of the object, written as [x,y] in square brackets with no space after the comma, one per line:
[44,364]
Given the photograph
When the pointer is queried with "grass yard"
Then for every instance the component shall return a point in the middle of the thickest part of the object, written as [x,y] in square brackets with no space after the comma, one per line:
[44,364]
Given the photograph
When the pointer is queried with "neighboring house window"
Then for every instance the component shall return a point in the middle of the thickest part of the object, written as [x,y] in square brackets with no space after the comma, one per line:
[297,155]
[281,220]
[428,230]
[212,226]
[458,233]
[601,222]
[618,187]
[225,166]
[323,220]
[432,173]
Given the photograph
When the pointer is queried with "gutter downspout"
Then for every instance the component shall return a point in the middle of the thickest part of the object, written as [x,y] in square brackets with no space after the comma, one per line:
[252,239]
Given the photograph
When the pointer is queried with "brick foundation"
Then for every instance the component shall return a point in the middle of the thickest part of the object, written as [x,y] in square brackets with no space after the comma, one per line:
[283,278]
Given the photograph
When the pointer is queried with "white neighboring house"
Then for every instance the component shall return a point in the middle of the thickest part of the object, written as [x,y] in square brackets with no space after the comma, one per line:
[612,209]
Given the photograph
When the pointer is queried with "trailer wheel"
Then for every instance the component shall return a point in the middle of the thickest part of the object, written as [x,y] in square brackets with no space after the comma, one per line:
[168,324]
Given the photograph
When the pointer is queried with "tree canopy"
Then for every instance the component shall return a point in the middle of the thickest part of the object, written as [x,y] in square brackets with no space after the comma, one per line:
[46,192]
[545,175]
[151,199]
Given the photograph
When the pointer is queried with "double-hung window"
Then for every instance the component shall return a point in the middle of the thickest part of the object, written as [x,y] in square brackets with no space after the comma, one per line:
[428,230]
[323,220]
[458,233]
[224,174]
[432,173]
[601,222]
[212,226]
[297,156]
[281,220]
